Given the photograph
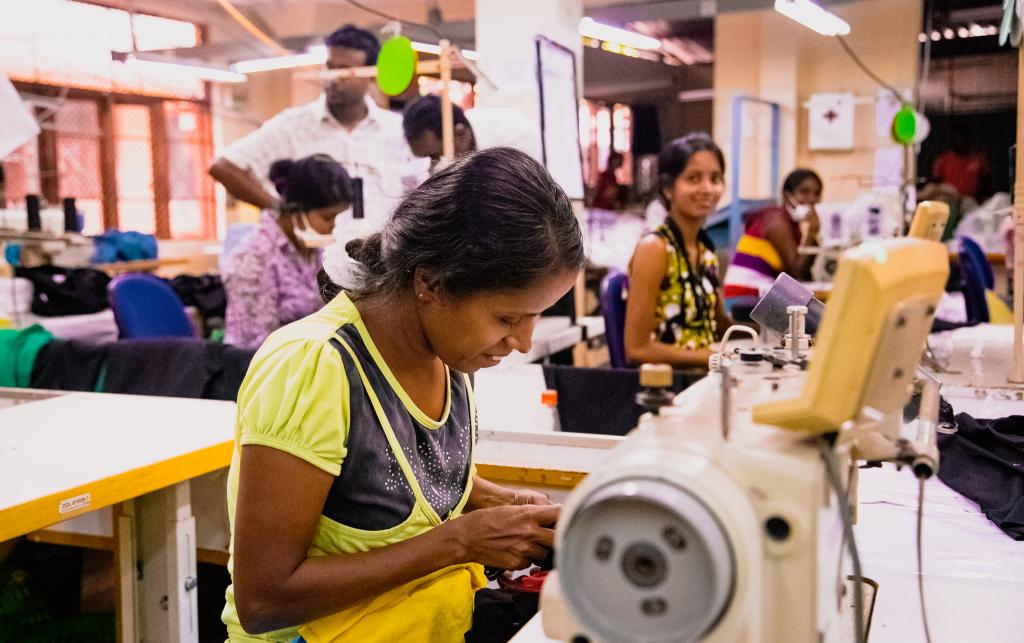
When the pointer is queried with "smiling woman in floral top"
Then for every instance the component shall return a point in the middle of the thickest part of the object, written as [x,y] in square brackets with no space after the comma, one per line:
[674,311]
[272,277]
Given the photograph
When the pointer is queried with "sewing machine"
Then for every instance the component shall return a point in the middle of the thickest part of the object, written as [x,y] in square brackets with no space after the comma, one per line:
[726,515]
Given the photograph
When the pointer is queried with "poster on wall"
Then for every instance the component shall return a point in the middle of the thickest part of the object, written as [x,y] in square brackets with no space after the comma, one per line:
[830,122]
[559,115]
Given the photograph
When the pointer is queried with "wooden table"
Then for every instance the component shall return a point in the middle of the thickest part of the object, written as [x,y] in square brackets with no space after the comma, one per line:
[142,265]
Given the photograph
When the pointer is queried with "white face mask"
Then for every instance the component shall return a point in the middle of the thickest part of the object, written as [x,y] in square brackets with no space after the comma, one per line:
[309,237]
[799,212]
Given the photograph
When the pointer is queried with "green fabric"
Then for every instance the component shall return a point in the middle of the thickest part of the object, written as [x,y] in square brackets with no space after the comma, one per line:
[18,350]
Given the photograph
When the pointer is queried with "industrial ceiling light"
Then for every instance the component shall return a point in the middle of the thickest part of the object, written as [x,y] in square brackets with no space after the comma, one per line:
[200,72]
[813,16]
[427,48]
[592,29]
[315,55]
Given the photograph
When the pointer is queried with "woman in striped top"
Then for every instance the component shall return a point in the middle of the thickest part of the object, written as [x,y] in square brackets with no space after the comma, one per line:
[770,242]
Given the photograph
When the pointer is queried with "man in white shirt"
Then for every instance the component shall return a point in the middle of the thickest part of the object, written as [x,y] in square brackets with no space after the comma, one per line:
[344,123]
[475,129]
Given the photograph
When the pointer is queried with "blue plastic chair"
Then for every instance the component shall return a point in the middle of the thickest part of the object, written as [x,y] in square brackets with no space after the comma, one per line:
[147,307]
[972,247]
[972,283]
[613,309]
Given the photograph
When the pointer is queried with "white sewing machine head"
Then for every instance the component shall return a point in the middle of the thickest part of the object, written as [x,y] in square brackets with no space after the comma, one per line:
[715,520]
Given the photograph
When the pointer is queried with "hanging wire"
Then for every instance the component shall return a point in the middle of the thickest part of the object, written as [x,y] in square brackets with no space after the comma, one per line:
[926,58]
[468,64]
[860,63]
[386,16]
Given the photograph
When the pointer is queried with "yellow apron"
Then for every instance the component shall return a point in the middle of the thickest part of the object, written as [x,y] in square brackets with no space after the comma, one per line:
[436,608]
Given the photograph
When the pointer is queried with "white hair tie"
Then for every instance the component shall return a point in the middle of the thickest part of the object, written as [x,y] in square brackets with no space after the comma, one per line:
[340,267]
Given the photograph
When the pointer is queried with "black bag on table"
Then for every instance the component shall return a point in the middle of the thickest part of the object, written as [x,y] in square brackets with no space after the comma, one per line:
[66,291]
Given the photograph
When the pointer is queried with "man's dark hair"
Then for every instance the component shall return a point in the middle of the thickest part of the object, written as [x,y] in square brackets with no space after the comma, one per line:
[352,37]
[492,220]
[424,114]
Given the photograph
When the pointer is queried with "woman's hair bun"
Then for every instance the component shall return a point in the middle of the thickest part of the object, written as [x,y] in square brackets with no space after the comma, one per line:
[281,174]
[367,251]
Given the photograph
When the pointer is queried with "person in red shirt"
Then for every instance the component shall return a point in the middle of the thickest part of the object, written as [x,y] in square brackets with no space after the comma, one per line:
[606,194]
[963,167]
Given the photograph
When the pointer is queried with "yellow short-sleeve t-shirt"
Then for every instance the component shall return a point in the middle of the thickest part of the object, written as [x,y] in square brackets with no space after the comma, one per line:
[317,389]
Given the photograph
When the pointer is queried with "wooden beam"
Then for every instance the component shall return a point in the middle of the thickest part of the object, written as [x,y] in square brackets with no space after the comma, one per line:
[447,120]
[161,160]
[108,162]
[49,182]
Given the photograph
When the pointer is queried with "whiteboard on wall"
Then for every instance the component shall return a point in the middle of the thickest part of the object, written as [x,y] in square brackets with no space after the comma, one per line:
[559,115]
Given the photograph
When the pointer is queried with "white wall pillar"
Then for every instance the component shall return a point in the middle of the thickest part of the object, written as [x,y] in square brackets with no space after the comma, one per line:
[505,33]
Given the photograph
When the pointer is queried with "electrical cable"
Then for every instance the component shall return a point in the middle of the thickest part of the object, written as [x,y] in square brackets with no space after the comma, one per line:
[859,635]
[860,63]
[926,58]
[381,14]
[468,64]
[920,566]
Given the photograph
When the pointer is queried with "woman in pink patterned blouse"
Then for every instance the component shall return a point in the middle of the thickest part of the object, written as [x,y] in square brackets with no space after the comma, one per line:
[271,280]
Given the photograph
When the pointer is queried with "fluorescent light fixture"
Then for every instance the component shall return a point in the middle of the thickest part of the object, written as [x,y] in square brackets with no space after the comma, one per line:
[315,55]
[427,48]
[813,16]
[625,37]
[200,72]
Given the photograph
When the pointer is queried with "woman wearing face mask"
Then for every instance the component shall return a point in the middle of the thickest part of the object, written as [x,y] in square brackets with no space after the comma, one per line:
[271,277]
[674,310]
[355,508]
[771,240]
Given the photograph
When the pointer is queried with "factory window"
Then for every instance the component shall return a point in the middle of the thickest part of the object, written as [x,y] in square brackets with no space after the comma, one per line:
[605,128]
[148,175]
[131,146]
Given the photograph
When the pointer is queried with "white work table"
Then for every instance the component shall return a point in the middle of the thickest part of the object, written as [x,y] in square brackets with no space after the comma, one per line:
[69,455]
[110,447]
[974,573]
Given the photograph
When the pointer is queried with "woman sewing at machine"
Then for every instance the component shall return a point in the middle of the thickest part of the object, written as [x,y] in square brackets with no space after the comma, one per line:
[356,512]
[270,279]
[771,241]
[674,311]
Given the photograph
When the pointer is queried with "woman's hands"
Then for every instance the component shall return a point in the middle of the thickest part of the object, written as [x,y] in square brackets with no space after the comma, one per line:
[528,497]
[508,537]
[487,494]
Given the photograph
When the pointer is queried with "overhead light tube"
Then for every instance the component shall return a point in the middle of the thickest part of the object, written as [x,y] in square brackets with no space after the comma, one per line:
[200,72]
[593,29]
[813,16]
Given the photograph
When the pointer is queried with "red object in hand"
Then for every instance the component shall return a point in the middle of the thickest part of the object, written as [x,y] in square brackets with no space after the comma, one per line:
[525,584]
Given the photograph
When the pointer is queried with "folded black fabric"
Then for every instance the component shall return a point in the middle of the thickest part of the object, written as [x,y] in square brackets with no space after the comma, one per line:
[171,367]
[205,292]
[230,365]
[984,461]
[499,615]
[66,291]
[602,400]
[68,365]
